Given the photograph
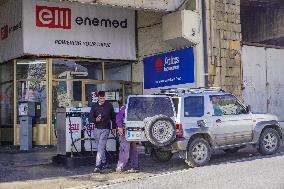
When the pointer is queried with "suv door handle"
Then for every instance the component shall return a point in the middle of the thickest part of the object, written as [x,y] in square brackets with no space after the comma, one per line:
[218,121]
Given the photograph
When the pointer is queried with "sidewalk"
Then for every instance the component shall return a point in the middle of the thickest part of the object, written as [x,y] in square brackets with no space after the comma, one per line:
[11,156]
[34,169]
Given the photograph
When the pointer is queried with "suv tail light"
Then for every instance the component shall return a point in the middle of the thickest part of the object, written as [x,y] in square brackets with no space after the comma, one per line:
[179,130]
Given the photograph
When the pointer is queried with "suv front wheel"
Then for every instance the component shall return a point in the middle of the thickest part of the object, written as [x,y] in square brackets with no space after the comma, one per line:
[269,142]
[198,152]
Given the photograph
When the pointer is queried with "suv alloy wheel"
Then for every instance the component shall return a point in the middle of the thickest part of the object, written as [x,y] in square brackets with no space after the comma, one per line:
[198,152]
[269,141]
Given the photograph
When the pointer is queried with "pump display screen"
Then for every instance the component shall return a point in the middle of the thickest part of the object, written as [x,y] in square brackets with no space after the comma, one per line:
[23,109]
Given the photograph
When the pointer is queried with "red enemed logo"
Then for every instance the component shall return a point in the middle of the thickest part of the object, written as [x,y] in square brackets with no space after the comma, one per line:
[4,32]
[159,65]
[53,17]
[74,127]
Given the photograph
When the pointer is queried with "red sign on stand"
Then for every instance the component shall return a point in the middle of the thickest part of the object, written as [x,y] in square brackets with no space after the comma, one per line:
[74,127]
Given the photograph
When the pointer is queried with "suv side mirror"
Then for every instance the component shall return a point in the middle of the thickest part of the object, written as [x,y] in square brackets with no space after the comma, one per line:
[248,108]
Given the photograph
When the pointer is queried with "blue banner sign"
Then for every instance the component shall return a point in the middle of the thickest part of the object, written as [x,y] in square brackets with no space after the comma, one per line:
[167,69]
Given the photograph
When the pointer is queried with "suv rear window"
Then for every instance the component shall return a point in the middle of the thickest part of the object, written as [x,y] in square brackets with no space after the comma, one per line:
[194,106]
[140,108]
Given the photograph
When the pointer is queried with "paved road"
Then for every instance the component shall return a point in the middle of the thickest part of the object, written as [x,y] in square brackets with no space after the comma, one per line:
[245,169]
[246,173]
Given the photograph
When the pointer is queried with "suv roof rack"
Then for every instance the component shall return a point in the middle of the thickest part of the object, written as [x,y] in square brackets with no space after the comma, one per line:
[177,91]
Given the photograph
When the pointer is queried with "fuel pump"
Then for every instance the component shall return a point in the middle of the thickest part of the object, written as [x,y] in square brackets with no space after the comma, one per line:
[76,143]
[27,111]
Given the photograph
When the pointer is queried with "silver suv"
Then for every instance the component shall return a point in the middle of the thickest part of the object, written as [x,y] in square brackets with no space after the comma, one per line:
[196,122]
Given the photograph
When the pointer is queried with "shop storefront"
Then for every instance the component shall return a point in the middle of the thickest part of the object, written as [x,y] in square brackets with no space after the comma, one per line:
[35,43]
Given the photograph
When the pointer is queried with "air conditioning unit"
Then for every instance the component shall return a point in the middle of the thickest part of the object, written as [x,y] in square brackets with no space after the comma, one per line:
[182,28]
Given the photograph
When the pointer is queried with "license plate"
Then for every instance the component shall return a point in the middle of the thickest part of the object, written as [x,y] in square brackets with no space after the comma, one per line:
[134,135]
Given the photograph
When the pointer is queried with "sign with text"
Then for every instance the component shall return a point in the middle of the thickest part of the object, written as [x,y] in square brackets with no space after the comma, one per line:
[78,30]
[53,17]
[168,69]
[11,36]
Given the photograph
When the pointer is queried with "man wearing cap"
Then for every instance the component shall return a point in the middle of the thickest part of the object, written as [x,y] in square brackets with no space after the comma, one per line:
[102,114]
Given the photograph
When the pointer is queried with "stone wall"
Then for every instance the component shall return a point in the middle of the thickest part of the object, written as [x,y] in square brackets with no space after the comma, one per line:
[223,28]
[223,34]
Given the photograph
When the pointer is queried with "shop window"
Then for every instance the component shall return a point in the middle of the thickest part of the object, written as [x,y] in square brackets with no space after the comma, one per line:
[68,69]
[6,95]
[31,85]
[31,69]
[68,76]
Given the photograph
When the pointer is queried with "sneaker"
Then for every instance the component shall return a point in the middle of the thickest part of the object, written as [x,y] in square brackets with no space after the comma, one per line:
[97,169]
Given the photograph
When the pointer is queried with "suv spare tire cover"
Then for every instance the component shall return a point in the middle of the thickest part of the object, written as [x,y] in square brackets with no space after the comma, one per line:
[160,130]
